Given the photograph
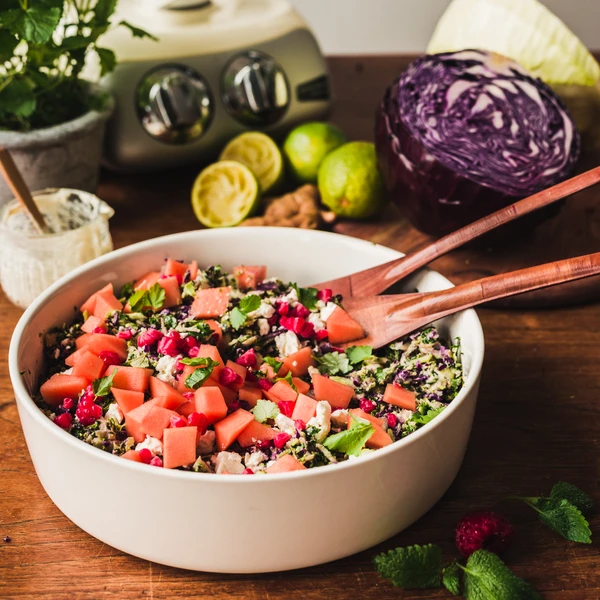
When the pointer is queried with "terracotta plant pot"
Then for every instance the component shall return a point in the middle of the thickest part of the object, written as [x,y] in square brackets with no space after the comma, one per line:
[66,155]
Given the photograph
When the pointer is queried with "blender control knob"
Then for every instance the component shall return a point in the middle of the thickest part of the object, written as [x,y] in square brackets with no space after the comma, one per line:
[255,89]
[174,104]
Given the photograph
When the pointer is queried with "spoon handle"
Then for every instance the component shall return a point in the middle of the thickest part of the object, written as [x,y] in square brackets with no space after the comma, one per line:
[18,187]
[389,320]
[378,279]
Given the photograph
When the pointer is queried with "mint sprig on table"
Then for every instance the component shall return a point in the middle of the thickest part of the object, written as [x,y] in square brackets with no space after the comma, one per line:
[563,511]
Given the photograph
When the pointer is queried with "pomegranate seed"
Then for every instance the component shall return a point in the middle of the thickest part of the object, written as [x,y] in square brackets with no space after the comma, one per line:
[322,335]
[281,439]
[294,324]
[191,342]
[156,461]
[88,413]
[188,395]
[265,384]
[286,407]
[100,329]
[367,405]
[177,421]
[168,346]
[300,425]
[87,399]
[89,388]
[68,403]
[64,421]
[308,330]
[272,321]
[301,311]
[109,357]
[149,337]
[179,366]
[392,420]
[326,295]
[250,376]
[198,420]
[248,359]
[126,334]
[264,444]
[233,406]
[193,352]
[283,308]
[145,455]
[247,472]
[229,377]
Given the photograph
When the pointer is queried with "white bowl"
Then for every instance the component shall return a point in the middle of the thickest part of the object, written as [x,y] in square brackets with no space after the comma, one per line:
[234,524]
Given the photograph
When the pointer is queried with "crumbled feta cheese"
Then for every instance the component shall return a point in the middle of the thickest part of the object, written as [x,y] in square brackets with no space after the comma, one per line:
[151,443]
[255,460]
[405,414]
[322,420]
[166,368]
[312,371]
[263,326]
[326,312]
[68,371]
[285,424]
[291,297]
[206,443]
[287,343]
[316,321]
[339,417]
[114,413]
[264,310]
[229,462]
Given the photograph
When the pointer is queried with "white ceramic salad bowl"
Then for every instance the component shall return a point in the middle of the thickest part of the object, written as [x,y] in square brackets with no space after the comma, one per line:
[235,524]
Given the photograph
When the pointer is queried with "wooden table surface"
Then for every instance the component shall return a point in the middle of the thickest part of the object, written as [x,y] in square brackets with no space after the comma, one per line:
[537,422]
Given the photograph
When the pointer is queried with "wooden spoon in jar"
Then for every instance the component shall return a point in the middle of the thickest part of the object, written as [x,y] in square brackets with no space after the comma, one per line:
[378,279]
[15,182]
[387,318]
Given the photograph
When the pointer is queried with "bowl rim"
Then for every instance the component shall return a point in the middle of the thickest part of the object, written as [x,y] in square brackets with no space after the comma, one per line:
[24,399]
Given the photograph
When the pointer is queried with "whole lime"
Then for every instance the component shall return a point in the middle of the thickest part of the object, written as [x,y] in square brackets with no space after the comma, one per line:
[350,183]
[307,145]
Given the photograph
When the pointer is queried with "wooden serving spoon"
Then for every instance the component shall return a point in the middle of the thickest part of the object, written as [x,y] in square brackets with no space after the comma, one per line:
[378,279]
[15,182]
[387,318]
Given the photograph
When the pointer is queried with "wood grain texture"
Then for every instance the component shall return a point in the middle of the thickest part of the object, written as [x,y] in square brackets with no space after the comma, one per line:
[537,422]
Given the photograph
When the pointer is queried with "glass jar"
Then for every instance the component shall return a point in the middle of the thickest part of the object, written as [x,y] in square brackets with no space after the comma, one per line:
[30,261]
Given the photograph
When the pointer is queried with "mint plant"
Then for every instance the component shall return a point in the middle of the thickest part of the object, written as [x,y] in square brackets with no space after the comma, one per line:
[44,45]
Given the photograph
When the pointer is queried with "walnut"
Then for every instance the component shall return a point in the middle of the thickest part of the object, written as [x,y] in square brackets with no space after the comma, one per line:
[296,209]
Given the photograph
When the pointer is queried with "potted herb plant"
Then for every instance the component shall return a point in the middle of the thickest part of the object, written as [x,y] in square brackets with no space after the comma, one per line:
[51,118]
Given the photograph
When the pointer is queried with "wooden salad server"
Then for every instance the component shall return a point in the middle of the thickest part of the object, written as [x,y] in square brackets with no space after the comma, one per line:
[378,279]
[387,318]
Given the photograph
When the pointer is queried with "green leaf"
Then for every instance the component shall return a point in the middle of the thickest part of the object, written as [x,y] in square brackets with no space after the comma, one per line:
[189,291]
[488,578]
[138,300]
[422,418]
[126,291]
[108,61]
[570,492]
[8,43]
[141,361]
[353,440]
[566,519]
[265,410]
[102,386]
[137,32]
[273,362]
[307,296]
[103,10]
[200,361]
[156,296]
[288,379]
[35,24]
[237,318]
[451,578]
[357,354]
[413,567]
[197,378]
[250,303]
[17,98]
[333,363]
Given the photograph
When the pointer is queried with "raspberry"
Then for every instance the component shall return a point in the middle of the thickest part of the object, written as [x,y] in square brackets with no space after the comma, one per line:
[146,455]
[64,421]
[88,412]
[325,295]
[68,403]
[156,462]
[483,529]
[322,335]
[229,377]
[149,337]
[168,345]
[109,357]
[248,359]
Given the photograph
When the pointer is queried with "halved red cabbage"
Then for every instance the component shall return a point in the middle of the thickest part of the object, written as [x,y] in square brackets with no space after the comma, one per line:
[460,135]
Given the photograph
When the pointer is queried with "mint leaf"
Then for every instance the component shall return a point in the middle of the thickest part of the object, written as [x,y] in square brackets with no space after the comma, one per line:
[265,410]
[570,492]
[197,378]
[250,303]
[308,297]
[451,578]
[486,577]
[156,296]
[237,318]
[357,354]
[188,291]
[413,567]
[288,379]
[137,300]
[102,386]
[274,363]
[353,440]
[140,361]
[333,363]
[566,519]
